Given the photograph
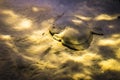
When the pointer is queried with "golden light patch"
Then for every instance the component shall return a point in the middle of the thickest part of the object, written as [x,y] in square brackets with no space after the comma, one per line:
[77,22]
[23,24]
[111,26]
[110,64]
[10,13]
[116,36]
[11,16]
[83,17]
[80,76]
[77,76]
[113,41]
[105,17]
[16,21]
[108,42]
[86,59]
[37,9]
[5,37]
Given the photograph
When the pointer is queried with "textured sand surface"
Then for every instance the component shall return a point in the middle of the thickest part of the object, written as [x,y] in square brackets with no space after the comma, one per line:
[29,52]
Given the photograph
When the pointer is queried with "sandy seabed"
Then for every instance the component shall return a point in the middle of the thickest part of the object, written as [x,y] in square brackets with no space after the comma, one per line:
[29,52]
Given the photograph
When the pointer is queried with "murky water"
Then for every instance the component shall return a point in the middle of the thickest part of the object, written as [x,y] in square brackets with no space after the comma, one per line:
[76,50]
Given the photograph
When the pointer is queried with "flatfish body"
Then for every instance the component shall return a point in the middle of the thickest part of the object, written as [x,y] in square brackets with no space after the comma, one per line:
[72,35]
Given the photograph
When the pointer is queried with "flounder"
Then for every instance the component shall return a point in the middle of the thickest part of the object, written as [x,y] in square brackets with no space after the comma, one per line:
[72,35]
